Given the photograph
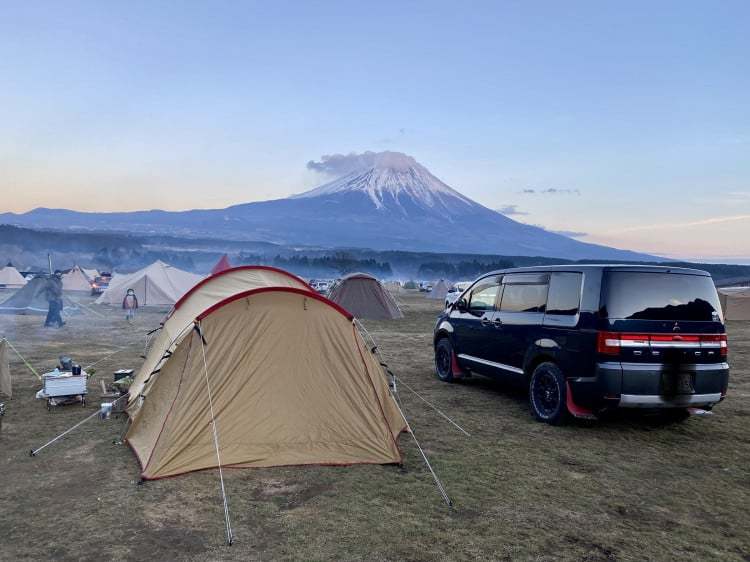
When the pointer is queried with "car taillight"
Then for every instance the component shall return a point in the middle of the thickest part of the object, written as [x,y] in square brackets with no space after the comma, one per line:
[716,340]
[611,343]
[608,343]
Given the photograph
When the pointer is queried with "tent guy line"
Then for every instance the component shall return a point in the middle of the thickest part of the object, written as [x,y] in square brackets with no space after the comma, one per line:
[227,521]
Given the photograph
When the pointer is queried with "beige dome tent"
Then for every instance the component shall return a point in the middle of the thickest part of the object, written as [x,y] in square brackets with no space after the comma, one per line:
[439,290]
[159,284]
[208,292]
[364,296]
[76,280]
[10,278]
[286,379]
[735,302]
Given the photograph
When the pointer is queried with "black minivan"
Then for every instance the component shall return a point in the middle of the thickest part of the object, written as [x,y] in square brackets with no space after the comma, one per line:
[588,338]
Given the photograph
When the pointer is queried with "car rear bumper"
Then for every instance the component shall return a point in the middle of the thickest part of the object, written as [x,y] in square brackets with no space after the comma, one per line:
[641,385]
[677,401]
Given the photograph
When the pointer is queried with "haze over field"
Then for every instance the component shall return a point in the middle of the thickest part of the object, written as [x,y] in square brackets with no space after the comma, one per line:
[624,125]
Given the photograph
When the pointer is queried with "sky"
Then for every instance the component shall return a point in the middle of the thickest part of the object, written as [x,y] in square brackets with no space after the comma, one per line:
[622,123]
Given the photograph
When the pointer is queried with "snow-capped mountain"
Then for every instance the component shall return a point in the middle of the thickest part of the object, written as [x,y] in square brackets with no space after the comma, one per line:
[385,201]
[391,178]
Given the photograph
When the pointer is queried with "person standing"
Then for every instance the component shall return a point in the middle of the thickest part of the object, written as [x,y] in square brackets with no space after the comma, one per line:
[54,295]
[130,304]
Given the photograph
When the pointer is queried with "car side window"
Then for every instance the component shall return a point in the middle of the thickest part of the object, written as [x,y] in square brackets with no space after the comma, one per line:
[483,296]
[564,293]
[524,293]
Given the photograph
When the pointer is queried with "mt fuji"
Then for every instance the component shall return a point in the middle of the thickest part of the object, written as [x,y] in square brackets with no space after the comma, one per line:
[383,201]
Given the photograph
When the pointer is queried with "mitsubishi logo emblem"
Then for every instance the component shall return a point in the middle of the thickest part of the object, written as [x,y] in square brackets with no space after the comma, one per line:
[676,327]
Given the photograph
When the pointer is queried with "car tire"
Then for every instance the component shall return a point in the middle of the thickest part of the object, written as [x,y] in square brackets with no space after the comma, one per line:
[548,394]
[444,360]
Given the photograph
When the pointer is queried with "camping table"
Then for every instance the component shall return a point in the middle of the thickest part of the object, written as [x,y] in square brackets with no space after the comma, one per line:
[64,388]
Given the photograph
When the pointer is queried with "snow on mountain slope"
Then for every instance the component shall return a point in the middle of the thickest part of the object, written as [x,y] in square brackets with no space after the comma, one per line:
[390,177]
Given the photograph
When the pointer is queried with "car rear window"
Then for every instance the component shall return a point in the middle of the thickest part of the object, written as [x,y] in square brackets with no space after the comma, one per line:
[660,296]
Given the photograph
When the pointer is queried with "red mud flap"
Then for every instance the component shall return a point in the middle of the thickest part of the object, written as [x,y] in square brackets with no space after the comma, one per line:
[576,410]
[456,370]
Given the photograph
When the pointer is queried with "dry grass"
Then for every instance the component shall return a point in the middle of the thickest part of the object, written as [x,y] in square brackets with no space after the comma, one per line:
[628,488]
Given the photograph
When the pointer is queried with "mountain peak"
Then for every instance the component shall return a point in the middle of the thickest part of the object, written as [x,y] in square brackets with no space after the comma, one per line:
[392,180]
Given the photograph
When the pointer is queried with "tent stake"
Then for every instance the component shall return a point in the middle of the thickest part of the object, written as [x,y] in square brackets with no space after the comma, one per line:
[227,522]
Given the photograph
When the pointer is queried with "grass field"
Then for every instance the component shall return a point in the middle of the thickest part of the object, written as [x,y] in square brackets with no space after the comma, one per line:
[628,488]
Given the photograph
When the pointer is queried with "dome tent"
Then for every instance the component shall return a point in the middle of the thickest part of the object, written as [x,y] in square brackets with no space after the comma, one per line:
[291,383]
[10,278]
[364,296]
[158,284]
[203,295]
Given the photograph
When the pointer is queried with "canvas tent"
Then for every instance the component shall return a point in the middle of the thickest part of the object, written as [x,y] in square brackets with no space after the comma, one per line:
[287,380]
[10,278]
[5,384]
[32,299]
[90,273]
[439,290]
[364,296]
[735,302]
[221,265]
[76,280]
[158,284]
[208,292]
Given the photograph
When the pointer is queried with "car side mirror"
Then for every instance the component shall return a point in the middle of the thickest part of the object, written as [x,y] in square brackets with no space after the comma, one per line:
[462,305]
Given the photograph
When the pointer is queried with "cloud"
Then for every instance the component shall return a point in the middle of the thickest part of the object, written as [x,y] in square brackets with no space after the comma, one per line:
[510,210]
[337,165]
[570,233]
[551,191]
[677,225]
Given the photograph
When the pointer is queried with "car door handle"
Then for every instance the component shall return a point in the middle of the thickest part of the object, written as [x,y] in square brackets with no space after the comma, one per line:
[497,323]
[486,321]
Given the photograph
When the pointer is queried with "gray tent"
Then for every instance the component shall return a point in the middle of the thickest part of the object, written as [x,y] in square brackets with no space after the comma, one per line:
[31,299]
[439,290]
[363,296]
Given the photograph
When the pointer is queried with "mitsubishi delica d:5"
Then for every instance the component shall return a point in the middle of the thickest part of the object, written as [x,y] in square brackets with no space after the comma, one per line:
[588,338]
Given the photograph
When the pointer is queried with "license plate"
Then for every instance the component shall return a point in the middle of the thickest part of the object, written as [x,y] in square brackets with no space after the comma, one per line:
[681,383]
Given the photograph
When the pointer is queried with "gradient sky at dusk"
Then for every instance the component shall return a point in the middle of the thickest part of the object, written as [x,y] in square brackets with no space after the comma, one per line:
[625,123]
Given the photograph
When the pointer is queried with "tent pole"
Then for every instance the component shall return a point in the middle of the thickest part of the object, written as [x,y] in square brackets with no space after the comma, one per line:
[438,483]
[33,452]
[227,522]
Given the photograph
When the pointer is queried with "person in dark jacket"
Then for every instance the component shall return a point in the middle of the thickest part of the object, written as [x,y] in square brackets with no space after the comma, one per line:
[54,295]
[130,304]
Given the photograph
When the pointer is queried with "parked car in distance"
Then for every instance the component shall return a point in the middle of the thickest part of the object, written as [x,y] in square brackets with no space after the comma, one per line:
[100,284]
[455,291]
[585,339]
[425,287]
